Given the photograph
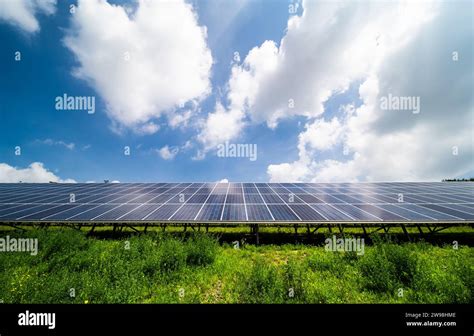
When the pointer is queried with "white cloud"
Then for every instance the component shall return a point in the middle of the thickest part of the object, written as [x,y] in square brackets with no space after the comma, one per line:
[51,142]
[144,64]
[23,13]
[220,125]
[223,181]
[322,134]
[319,55]
[187,145]
[225,124]
[323,51]
[181,119]
[168,153]
[34,173]
[399,145]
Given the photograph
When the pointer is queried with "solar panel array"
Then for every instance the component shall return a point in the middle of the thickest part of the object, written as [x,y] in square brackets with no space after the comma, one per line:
[238,202]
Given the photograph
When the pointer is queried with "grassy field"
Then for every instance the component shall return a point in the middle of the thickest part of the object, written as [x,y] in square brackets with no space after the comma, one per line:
[197,268]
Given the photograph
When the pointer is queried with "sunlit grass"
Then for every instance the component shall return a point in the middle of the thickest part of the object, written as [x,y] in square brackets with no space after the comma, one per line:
[195,268]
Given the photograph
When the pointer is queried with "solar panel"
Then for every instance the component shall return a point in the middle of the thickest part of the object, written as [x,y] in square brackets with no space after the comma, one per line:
[64,215]
[282,212]
[449,211]
[139,212]
[258,212]
[164,212]
[254,198]
[234,212]
[269,202]
[305,212]
[272,198]
[330,212]
[187,212]
[94,212]
[425,211]
[210,212]
[48,211]
[356,213]
[117,212]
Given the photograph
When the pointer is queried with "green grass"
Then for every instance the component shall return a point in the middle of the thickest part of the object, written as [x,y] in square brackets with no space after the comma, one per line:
[195,268]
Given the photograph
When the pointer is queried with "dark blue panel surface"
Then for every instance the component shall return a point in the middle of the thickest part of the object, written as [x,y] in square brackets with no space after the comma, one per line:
[164,212]
[258,212]
[187,212]
[282,212]
[425,202]
[234,212]
[210,212]
[306,213]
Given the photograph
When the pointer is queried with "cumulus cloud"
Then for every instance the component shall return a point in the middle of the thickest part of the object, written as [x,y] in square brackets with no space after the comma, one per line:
[34,173]
[168,153]
[225,124]
[220,126]
[323,51]
[394,144]
[320,55]
[144,63]
[23,13]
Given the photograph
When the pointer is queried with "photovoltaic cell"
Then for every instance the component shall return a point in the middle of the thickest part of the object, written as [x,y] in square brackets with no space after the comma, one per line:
[234,212]
[306,213]
[23,211]
[216,199]
[330,212]
[461,207]
[369,202]
[272,198]
[64,215]
[425,211]
[258,212]
[356,213]
[48,212]
[211,212]
[235,198]
[410,215]
[187,212]
[380,213]
[282,212]
[164,212]
[139,212]
[451,212]
[9,208]
[94,212]
[254,198]
[117,212]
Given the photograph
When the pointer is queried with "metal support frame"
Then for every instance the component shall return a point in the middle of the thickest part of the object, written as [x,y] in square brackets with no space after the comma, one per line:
[405,231]
[311,228]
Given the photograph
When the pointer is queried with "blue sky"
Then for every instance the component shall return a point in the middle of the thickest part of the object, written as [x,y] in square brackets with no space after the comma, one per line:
[90,147]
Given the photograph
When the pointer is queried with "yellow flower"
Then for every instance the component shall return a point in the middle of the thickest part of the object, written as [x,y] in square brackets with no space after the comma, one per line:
[86,301]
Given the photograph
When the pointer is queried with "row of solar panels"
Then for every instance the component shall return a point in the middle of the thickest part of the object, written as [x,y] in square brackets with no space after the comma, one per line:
[12,192]
[199,198]
[234,202]
[243,187]
[237,212]
[245,184]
